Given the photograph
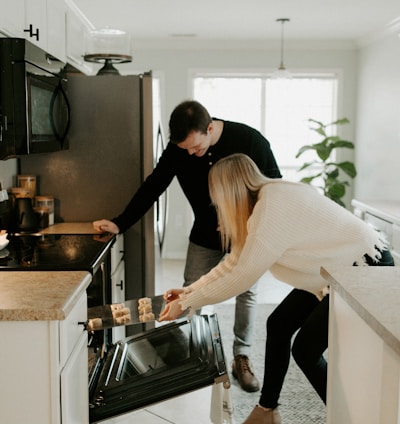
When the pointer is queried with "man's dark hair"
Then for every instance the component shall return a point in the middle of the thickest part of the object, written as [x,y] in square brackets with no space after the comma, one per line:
[188,116]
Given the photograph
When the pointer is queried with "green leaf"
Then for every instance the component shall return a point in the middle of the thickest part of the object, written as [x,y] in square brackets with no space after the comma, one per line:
[309,179]
[320,124]
[340,122]
[320,131]
[332,175]
[306,165]
[337,190]
[348,168]
[304,149]
[342,144]
[323,151]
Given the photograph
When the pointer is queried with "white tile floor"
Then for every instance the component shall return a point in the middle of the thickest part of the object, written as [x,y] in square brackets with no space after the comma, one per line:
[193,407]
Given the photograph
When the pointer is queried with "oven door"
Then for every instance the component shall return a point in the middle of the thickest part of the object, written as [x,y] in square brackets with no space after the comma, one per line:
[159,364]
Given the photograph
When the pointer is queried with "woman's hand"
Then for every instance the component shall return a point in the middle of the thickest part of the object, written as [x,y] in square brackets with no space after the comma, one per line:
[172,294]
[105,226]
[173,308]
[172,311]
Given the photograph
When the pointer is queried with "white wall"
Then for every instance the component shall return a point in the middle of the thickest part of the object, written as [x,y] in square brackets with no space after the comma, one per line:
[378,119]
[176,65]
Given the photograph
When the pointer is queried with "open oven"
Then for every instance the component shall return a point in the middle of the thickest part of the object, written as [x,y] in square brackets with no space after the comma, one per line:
[154,365]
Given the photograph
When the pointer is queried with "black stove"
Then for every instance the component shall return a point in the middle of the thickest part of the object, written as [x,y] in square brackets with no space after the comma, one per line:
[55,252]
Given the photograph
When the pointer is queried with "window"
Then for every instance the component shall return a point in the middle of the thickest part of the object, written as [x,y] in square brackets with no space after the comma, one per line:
[278,108]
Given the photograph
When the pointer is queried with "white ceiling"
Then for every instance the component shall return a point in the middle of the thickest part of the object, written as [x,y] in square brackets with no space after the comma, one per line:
[318,20]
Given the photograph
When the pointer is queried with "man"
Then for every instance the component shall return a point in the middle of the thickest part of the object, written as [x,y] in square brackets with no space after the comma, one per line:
[197,141]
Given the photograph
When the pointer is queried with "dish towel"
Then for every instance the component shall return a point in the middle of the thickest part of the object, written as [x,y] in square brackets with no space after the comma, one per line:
[221,404]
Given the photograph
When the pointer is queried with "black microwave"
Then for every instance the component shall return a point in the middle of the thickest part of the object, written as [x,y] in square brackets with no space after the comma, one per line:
[34,108]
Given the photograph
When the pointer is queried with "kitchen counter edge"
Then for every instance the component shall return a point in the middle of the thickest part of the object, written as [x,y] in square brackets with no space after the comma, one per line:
[374,294]
[40,295]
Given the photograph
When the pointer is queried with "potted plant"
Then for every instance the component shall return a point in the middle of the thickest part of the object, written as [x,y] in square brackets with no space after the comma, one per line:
[329,173]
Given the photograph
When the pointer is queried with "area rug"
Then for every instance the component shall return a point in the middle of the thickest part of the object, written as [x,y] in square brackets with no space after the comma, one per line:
[299,403]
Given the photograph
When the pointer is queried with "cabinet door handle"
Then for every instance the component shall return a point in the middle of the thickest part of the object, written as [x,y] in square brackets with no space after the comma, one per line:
[31,33]
[120,284]
[84,323]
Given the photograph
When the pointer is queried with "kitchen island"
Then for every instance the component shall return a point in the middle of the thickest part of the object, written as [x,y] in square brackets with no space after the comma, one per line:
[364,345]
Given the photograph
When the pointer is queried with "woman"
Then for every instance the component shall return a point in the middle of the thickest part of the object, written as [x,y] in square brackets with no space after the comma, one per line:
[292,230]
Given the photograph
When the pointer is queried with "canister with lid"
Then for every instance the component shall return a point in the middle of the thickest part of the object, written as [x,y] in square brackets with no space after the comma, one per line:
[27,182]
[46,202]
[42,215]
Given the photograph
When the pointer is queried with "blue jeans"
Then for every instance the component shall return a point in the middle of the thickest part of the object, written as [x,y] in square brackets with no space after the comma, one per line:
[300,311]
[199,261]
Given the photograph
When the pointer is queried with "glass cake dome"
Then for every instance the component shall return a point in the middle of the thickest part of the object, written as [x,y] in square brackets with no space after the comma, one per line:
[108,46]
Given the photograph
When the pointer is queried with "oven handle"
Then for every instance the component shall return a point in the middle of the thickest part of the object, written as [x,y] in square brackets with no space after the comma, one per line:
[84,323]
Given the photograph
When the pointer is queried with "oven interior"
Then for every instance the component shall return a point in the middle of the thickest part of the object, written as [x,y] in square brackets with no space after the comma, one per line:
[158,364]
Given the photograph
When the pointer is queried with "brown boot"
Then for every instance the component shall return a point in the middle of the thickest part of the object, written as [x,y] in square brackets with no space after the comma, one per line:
[261,416]
[241,369]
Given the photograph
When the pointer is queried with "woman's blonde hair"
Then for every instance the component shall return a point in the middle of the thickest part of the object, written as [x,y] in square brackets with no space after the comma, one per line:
[234,184]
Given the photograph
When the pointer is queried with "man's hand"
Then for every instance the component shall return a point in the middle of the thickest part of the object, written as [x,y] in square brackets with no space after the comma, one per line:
[105,226]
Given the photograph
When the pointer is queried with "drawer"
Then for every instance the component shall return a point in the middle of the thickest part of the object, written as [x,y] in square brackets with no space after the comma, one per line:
[117,252]
[70,330]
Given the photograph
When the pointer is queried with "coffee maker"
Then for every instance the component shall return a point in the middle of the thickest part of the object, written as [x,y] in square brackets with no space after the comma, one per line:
[24,215]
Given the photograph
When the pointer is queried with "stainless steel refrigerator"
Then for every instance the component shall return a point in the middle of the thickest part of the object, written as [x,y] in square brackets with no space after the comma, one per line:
[110,154]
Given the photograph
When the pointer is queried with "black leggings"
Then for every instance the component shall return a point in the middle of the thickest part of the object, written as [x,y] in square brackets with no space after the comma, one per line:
[302,311]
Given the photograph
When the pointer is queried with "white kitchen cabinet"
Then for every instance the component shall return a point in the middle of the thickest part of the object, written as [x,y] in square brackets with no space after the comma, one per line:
[118,281]
[42,22]
[42,362]
[35,28]
[55,23]
[74,392]
[12,22]
[77,27]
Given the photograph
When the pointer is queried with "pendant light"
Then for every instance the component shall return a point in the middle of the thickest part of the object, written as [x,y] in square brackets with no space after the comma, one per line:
[282,72]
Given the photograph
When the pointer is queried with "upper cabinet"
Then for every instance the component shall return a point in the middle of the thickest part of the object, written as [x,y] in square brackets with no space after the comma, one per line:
[42,22]
[12,23]
[56,26]
[77,26]
[55,23]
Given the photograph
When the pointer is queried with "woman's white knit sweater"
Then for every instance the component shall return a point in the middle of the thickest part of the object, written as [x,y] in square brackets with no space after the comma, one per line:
[293,231]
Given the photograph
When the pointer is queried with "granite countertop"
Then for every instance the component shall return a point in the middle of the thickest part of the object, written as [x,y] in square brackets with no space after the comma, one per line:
[70,228]
[43,295]
[374,294]
[40,295]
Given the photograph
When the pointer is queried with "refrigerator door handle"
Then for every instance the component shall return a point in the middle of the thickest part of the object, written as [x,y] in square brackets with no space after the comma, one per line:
[162,202]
